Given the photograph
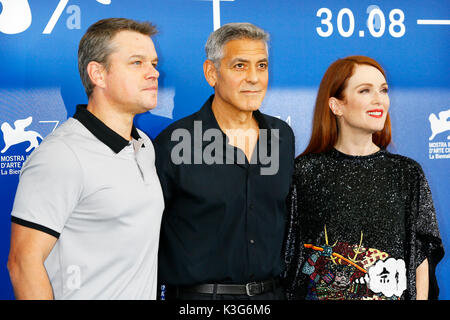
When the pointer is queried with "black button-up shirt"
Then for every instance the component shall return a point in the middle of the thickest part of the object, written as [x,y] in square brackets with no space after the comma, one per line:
[224,222]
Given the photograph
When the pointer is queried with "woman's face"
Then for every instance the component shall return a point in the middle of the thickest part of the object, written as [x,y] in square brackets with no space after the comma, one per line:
[366,102]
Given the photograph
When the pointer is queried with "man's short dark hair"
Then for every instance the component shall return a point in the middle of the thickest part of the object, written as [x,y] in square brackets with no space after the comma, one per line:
[96,43]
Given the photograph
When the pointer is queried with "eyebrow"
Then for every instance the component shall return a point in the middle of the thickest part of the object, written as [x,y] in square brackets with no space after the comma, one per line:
[238,59]
[369,84]
[139,56]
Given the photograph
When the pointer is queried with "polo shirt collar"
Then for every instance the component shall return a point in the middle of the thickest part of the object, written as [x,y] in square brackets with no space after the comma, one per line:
[102,132]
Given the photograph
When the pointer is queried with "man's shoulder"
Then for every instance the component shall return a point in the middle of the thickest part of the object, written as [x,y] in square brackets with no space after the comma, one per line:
[56,152]
[285,131]
[62,135]
[276,123]
[69,137]
[186,123]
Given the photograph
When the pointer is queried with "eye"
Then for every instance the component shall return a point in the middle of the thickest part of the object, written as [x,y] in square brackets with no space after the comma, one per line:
[385,90]
[365,90]
[137,62]
[239,66]
[263,65]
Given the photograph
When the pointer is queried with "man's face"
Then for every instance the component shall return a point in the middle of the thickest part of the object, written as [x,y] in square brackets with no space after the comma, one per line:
[131,82]
[241,80]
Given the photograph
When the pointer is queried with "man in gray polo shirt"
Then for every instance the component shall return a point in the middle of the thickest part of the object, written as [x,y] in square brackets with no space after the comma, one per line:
[87,212]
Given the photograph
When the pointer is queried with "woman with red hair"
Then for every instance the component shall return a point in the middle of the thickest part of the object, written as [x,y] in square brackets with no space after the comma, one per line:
[362,224]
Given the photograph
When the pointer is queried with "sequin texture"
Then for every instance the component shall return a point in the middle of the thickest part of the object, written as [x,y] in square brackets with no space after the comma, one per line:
[358,227]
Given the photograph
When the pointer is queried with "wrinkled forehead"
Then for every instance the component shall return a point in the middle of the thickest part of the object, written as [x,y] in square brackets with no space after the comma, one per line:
[245,46]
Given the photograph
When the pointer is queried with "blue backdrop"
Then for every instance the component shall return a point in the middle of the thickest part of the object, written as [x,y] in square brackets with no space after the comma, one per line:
[39,81]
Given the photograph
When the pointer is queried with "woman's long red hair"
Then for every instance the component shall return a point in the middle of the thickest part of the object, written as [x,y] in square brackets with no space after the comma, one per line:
[324,130]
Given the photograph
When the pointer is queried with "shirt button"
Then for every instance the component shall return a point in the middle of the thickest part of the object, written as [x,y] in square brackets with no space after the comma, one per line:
[252,241]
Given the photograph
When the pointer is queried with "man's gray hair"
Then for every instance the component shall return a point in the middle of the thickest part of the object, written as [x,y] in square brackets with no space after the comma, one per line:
[232,31]
[95,45]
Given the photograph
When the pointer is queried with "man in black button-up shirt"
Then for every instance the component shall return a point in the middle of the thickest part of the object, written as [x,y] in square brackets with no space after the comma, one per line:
[225,172]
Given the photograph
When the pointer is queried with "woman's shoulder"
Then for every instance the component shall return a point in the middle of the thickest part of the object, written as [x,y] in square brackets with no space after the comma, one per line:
[310,159]
[309,165]
[314,162]
[404,163]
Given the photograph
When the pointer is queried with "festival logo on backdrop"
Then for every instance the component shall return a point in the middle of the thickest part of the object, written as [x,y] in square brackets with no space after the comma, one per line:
[439,145]
[16,16]
[26,117]
[18,143]
[18,134]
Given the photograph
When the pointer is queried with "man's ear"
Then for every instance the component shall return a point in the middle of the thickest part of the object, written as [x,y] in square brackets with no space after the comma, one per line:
[335,106]
[210,71]
[96,72]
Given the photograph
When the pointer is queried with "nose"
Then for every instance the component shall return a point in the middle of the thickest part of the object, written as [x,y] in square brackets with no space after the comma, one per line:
[252,75]
[151,73]
[376,97]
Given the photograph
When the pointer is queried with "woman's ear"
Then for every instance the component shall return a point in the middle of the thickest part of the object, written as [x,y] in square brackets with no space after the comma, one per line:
[335,106]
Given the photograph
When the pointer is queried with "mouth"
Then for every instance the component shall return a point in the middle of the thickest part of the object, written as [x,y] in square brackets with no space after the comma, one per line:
[375,113]
[251,92]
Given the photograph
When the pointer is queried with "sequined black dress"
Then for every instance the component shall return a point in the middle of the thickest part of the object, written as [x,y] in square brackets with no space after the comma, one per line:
[358,227]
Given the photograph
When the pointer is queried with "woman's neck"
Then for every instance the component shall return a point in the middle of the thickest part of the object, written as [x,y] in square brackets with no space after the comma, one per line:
[356,145]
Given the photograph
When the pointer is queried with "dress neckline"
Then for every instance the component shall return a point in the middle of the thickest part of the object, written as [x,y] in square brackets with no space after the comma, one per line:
[340,154]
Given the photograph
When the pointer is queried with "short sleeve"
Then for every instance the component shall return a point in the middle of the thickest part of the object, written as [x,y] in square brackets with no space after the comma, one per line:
[49,188]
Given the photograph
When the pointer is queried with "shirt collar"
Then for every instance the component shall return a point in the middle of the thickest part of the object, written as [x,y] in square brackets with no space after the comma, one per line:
[102,132]
[209,120]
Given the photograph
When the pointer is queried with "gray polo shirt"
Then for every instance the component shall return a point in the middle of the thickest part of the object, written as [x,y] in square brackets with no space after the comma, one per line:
[101,197]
